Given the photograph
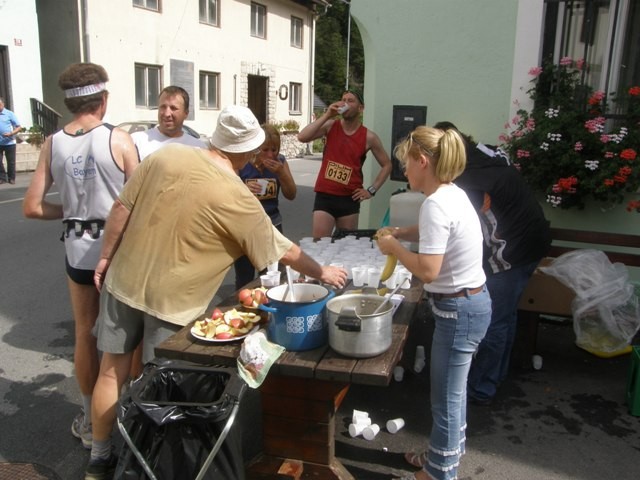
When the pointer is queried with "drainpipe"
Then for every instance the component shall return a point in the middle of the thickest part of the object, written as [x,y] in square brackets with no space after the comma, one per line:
[235,86]
[86,57]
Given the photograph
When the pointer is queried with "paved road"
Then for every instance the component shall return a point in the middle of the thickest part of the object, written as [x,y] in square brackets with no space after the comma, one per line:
[567,421]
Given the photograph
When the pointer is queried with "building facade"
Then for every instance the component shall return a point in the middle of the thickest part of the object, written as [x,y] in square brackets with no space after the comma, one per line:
[253,53]
[468,62]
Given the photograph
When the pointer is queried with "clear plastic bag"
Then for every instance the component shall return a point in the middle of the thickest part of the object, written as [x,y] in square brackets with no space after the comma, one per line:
[606,313]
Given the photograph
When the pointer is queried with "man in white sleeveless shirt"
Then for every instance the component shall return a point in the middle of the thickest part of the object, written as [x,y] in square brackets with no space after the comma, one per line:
[89,162]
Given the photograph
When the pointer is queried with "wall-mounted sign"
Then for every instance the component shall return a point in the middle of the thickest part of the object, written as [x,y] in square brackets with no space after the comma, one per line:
[283,92]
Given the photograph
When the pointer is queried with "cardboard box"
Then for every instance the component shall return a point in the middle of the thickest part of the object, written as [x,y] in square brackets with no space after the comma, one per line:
[545,294]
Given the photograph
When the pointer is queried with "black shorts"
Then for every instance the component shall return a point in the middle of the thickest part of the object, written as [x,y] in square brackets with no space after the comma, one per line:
[336,205]
[81,277]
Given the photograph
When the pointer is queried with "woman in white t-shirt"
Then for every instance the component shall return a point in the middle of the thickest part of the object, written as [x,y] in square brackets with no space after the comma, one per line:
[449,262]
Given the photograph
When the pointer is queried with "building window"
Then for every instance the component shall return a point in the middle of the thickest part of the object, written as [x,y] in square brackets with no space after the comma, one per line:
[296,32]
[209,12]
[148,4]
[209,90]
[258,20]
[295,97]
[604,33]
[148,85]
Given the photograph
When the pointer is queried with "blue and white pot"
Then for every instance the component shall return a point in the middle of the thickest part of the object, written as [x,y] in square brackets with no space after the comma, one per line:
[298,325]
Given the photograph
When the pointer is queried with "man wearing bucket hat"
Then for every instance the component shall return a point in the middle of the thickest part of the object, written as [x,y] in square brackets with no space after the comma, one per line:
[185,223]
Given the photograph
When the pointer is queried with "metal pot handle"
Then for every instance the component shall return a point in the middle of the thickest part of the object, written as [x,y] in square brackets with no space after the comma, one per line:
[349,324]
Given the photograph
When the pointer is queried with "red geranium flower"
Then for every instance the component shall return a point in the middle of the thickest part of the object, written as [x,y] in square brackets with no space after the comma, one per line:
[628,154]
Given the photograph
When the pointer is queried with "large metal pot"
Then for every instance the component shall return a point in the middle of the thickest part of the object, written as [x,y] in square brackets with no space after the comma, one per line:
[299,325]
[353,329]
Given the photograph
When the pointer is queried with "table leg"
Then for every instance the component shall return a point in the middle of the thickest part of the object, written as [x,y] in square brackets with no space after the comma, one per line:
[299,429]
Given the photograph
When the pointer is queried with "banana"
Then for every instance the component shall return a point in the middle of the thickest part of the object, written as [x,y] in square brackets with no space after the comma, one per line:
[389,267]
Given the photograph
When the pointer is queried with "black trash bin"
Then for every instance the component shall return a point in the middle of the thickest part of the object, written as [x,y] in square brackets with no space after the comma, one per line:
[177,419]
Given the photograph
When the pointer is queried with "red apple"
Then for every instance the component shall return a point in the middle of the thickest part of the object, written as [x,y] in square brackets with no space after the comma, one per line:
[259,296]
[243,295]
[224,335]
[236,323]
[217,314]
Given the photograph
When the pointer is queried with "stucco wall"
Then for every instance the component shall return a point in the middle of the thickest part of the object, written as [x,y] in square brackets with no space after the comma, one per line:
[19,33]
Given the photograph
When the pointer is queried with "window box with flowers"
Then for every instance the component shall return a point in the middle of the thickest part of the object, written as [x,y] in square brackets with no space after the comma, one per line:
[569,147]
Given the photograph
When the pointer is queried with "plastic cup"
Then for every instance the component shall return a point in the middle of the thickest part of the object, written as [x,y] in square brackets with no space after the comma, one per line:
[359,276]
[356,429]
[274,277]
[263,185]
[359,416]
[403,278]
[373,276]
[398,373]
[294,275]
[537,362]
[393,426]
[392,281]
[370,432]
[272,267]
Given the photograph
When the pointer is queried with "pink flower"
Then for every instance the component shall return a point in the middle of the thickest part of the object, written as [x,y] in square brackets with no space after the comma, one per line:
[580,63]
[535,71]
[596,98]
[578,146]
[515,120]
[530,124]
[609,155]
[604,138]
[566,61]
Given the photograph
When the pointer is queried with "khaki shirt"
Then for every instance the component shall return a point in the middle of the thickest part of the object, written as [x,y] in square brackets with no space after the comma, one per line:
[190,219]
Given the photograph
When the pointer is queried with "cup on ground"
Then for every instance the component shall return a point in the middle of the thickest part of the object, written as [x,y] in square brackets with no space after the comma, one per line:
[393,426]
[398,373]
[370,432]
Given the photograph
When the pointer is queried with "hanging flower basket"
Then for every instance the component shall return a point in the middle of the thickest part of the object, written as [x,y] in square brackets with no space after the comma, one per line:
[568,148]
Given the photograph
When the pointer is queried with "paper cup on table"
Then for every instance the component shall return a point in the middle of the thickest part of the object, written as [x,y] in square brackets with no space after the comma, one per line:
[403,278]
[393,426]
[359,276]
[370,432]
[373,276]
[275,278]
[392,281]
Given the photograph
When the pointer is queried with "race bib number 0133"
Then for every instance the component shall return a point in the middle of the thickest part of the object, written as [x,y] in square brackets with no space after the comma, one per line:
[337,172]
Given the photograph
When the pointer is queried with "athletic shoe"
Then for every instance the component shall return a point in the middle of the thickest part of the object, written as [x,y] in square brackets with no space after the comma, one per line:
[81,430]
[101,468]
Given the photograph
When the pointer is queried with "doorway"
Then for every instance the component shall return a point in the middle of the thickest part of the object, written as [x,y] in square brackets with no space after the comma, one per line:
[257,96]
[5,84]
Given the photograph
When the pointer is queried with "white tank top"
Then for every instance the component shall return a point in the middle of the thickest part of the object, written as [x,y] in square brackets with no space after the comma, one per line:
[89,180]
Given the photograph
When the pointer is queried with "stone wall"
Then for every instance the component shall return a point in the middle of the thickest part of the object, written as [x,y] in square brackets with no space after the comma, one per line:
[290,147]
[26,157]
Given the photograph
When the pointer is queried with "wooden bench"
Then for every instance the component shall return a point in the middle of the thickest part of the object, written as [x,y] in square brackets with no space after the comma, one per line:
[544,295]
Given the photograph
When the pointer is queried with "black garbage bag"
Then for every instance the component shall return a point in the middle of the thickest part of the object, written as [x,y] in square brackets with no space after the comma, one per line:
[177,420]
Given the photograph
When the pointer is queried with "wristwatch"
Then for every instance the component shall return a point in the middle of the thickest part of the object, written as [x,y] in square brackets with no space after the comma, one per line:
[372,190]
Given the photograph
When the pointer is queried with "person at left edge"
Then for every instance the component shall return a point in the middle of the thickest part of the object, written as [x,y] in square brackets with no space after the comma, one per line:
[89,162]
[171,237]
[9,126]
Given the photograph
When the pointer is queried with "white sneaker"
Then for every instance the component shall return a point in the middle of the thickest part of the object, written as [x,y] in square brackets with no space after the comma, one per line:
[81,430]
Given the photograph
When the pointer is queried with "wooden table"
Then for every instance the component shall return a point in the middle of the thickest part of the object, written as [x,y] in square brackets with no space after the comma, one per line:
[302,394]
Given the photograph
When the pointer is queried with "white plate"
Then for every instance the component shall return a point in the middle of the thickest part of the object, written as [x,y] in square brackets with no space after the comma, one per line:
[220,340]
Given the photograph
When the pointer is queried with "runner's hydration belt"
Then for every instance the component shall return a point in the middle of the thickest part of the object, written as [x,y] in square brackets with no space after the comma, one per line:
[94,227]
